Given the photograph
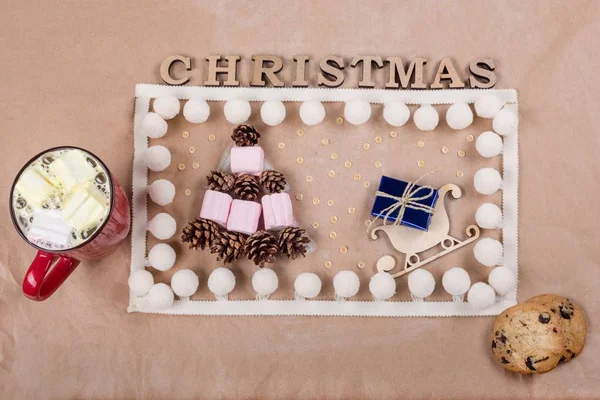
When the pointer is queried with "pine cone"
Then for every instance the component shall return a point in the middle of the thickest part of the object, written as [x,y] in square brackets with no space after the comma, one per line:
[261,248]
[229,246]
[246,187]
[292,242]
[245,135]
[272,181]
[220,181]
[200,233]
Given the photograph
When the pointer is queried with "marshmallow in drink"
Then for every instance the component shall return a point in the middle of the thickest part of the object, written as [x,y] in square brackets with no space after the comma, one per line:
[35,186]
[48,226]
[85,207]
[72,169]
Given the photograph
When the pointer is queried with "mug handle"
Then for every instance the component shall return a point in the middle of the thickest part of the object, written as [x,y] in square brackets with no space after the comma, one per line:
[41,281]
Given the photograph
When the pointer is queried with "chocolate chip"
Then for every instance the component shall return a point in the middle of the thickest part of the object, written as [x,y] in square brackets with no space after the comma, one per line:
[505,361]
[544,318]
[503,338]
[493,344]
[562,359]
[554,330]
[565,312]
[529,363]
[553,310]
[508,351]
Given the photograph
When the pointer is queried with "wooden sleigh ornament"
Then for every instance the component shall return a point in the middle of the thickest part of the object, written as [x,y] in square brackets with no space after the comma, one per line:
[411,241]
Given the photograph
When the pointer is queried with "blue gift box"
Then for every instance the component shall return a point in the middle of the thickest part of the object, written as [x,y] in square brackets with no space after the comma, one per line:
[418,219]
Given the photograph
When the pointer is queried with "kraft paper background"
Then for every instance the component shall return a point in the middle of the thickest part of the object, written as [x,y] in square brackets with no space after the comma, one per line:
[68,74]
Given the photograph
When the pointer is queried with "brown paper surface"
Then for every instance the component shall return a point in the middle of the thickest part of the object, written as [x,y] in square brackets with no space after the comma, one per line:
[69,72]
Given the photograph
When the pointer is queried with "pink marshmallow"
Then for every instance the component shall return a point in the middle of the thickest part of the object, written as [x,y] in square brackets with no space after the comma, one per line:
[244,217]
[277,211]
[247,160]
[215,206]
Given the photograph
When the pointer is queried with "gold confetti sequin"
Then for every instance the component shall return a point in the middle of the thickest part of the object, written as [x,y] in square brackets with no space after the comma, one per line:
[309,178]
[195,165]
[343,249]
[421,163]
[315,224]
[300,132]
[331,173]
[351,210]
[470,138]
[445,149]
[339,120]
[299,196]
[300,160]
[333,234]
[185,134]
[361,264]
[333,219]
[330,203]
[316,200]
[211,137]
[181,167]
[367,146]
[334,156]
[461,153]
[421,143]
[460,174]
[368,222]
[377,164]
[328,264]
[347,164]
[378,139]
[188,192]
[357,177]
[192,149]
[393,134]
[281,145]
[367,184]
[325,142]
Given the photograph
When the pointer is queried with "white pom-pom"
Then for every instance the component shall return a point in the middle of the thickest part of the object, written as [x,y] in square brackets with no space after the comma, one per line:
[237,111]
[426,118]
[162,226]
[264,283]
[488,252]
[184,283]
[487,106]
[161,257]
[158,158]
[456,281]
[421,284]
[505,122]
[481,295]
[357,112]
[272,112]
[140,282]
[162,192]
[307,285]
[154,126]
[161,296]
[167,107]
[221,282]
[503,280]
[459,116]
[382,286]
[487,181]
[489,216]
[346,284]
[396,113]
[196,111]
[312,112]
[489,144]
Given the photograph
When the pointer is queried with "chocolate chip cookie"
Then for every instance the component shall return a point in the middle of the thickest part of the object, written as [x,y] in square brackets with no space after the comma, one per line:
[572,318]
[528,338]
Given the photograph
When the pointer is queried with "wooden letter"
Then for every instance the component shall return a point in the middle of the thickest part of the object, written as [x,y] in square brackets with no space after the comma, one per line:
[482,68]
[300,74]
[332,74]
[230,70]
[367,61]
[397,72]
[268,72]
[165,69]
[447,72]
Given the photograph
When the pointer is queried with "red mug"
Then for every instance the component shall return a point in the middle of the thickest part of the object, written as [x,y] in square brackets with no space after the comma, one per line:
[50,268]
